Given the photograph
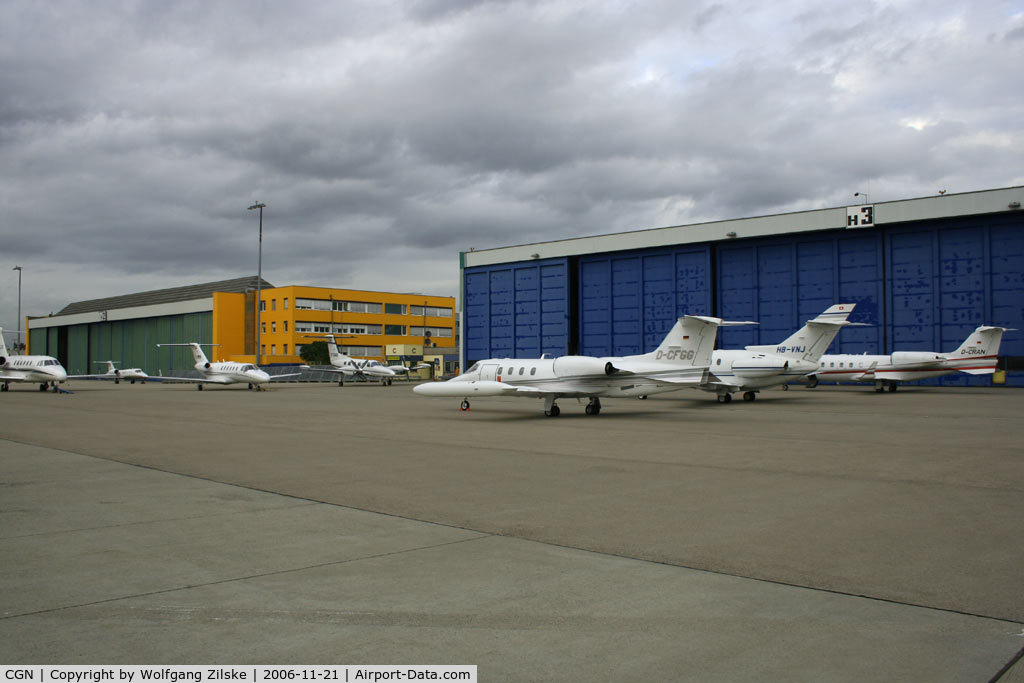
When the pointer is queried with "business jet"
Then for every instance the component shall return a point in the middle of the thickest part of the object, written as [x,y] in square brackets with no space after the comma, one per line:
[346,366]
[46,370]
[680,361]
[113,373]
[977,355]
[225,372]
[757,367]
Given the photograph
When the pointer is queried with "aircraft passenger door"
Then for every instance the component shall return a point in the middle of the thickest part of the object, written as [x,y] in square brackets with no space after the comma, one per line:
[489,372]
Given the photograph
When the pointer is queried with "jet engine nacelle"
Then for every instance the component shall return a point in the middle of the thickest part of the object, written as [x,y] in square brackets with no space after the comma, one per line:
[763,366]
[575,366]
[3,361]
[902,357]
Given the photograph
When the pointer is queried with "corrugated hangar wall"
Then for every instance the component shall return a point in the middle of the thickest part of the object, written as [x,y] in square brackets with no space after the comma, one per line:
[130,342]
[920,286]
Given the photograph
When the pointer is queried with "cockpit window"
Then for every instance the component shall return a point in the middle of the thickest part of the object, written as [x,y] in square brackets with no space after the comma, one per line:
[247,368]
[473,368]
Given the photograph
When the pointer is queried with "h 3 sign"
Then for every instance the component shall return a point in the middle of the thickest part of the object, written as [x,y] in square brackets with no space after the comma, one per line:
[860,216]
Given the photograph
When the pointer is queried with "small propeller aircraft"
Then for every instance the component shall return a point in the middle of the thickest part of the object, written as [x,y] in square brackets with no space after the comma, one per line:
[113,373]
[346,366]
[758,367]
[46,370]
[225,372]
[680,361]
[977,355]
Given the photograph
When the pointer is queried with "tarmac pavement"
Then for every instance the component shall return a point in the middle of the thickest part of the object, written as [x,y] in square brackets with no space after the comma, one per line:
[833,534]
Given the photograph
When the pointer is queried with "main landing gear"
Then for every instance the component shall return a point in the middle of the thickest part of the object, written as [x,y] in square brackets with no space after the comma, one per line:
[881,386]
[747,396]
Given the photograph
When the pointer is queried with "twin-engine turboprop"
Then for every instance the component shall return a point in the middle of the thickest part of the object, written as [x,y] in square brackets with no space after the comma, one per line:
[977,355]
[680,361]
[225,372]
[758,367]
[115,374]
[346,366]
[46,370]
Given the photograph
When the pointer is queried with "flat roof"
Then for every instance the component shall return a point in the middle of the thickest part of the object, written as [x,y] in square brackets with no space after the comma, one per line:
[979,202]
[165,296]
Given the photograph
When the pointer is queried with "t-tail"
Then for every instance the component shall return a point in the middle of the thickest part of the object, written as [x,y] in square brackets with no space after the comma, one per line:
[982,347]
[810,341]
[690,341]
[3,346]
[338,359]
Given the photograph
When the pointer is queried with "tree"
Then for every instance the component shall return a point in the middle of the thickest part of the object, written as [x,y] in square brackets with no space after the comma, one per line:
[315,353]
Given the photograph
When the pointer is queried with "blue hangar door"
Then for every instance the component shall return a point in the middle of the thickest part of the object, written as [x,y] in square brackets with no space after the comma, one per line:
[516,310]
[784,282]
[628,301]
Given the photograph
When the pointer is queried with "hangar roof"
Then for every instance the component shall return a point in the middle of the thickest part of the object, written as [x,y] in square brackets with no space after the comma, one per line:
[165,296]
[899,211]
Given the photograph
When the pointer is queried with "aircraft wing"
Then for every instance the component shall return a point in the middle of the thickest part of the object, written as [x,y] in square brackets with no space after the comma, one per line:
[13,376]
[201,380]
[103,375]
[348,372]
[290,374]
[868,375]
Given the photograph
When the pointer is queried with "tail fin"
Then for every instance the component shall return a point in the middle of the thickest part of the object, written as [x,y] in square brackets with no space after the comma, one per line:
[690,341]
[3,346]
[197,353]
[982,343]
[810,341]
[337,357]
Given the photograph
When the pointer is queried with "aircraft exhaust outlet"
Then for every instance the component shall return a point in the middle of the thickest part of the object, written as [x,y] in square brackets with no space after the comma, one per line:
[576,366]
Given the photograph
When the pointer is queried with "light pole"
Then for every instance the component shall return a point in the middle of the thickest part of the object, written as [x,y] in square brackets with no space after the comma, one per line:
[259,279]
[18,268]
[862,194]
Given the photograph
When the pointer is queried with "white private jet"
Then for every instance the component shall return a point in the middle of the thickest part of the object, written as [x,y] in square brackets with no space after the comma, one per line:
[977,355]
[113,373]
[757,367]
[680,361]
[225,372]
[46,370]
[346,366]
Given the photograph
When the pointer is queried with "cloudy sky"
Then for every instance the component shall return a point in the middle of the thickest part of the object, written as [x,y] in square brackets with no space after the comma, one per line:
[385,137]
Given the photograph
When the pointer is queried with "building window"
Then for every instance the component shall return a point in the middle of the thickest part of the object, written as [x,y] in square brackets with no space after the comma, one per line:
[395,330]
[394,309]
[286,303]
[273,349]
[273,326]
[286,349]
[273,304]
[263,328]
[286,322]
[263,305]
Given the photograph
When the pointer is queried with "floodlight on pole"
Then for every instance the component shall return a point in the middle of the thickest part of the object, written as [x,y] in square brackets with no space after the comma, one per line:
[862,194]
[259,278]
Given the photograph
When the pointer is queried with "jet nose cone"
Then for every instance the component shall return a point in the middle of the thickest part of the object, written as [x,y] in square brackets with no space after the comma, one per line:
[261,376]
[60,375]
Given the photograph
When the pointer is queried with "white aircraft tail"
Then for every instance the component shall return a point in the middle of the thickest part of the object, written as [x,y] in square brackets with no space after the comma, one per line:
[3,346]
[197,351]
[690,341]
[110,366]
[810,341]
[983,342]
[338,359]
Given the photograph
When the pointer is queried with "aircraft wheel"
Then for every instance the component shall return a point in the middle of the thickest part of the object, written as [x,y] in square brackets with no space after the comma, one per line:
[133,381]
[724,398]
[749,396]
[464,406]
[199,387]
[785,387]
[812,382]
[554,412]
[117,381]
[893,387]
[43,387]
[389,382]
[593,408]
[5,387]
[642,398]
[879,389]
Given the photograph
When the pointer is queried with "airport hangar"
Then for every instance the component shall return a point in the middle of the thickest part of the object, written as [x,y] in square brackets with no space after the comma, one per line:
[385,326]
[923,273]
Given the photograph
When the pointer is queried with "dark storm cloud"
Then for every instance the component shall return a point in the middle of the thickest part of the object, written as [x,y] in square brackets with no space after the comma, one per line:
[386,137]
